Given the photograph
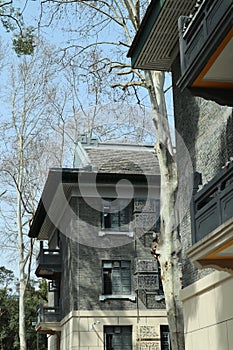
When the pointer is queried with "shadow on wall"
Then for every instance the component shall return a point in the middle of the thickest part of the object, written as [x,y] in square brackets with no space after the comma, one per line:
[187,114]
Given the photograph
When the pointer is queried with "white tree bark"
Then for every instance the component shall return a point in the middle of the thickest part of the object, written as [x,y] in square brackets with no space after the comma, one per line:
[168,250]
[23,133]
[22,284]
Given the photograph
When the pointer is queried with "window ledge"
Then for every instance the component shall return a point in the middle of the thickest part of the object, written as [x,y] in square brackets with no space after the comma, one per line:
[120,296]
[125,233]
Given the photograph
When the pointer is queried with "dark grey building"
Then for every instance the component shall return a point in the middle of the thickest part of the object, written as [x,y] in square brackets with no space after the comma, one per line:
[96,223]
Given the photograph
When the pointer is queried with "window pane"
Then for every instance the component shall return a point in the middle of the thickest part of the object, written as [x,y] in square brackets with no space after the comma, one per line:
[165,338]
[114,220]
[108,342]
[107,220]
[107,282]
[116,264]
[125,264]
[107,264]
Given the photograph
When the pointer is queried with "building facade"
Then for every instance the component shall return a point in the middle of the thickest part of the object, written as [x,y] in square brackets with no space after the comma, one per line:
[95,223]
[195,45]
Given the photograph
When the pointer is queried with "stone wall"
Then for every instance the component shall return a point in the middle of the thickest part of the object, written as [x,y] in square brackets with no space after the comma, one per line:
[207,131]
[81,283]
[84,330]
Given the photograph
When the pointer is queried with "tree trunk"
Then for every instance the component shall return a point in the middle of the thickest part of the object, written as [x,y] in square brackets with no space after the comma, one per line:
[170,259]
[22,327]
[22,284]
[168,250]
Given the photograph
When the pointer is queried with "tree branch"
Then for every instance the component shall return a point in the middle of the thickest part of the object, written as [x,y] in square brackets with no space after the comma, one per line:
[20,193]
[129,84]
[6,3]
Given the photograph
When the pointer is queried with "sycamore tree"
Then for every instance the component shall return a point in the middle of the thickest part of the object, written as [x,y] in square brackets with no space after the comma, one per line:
[24,131]
[111,26]
[80,105]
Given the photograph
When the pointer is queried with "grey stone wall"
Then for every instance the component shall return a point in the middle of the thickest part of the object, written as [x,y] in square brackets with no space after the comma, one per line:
[81,283]
[207,131]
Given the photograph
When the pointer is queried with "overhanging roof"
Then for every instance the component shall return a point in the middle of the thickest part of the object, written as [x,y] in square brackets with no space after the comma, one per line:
[154,45]
[58,187]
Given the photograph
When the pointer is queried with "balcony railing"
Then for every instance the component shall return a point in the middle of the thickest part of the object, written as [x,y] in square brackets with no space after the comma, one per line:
[196,33]
[48,263]
[47,314]
[213,204]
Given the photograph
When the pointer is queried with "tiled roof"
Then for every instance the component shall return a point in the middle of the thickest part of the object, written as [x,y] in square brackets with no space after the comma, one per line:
[123,159]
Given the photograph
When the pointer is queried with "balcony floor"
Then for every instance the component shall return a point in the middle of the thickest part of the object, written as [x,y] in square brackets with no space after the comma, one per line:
[48,327]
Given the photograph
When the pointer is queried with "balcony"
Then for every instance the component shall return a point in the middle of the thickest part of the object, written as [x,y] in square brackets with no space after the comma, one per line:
[206,44]
[212,222]
[48,319]
[48,263]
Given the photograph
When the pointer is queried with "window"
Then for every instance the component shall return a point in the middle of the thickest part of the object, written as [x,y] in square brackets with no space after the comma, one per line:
[118,338]
[116,278]
[165,338]
[116,215]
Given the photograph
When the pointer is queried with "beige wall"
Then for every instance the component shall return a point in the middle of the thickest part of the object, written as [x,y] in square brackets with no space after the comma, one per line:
[208,313]
[84,330]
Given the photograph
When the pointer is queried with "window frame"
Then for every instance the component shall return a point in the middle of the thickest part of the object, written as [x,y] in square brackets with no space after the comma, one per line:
[119,332]
[115,220]
[114,272]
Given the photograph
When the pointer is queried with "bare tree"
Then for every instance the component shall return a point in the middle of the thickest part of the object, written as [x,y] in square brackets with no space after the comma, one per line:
[81,105]
[112,25]
[24,133]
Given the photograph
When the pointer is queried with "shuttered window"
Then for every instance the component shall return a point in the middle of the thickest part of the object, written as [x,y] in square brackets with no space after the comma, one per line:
[116,277]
